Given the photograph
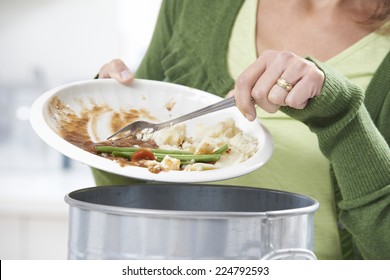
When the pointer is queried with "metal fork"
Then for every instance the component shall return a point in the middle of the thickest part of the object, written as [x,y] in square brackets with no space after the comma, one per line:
[141,125]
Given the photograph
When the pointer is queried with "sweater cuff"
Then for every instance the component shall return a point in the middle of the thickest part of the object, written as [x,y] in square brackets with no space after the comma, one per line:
[327,114]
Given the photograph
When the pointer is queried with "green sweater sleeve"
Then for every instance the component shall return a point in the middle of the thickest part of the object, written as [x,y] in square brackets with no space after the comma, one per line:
[360,157]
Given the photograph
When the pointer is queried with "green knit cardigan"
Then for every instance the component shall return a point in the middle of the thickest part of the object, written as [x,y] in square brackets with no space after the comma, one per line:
[189,47]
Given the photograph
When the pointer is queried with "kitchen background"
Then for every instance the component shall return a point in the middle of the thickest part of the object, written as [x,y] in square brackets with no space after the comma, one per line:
[44,44]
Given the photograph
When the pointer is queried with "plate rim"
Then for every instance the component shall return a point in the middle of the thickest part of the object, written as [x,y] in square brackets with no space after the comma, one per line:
[51,138]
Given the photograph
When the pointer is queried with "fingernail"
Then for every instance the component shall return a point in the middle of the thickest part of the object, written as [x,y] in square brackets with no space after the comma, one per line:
[230,93]
[125,75]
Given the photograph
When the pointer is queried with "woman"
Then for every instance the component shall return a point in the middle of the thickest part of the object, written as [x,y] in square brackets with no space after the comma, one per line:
[319,72]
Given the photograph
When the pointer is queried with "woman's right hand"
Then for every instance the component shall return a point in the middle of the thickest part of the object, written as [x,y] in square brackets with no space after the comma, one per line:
[260,82]
[116,69]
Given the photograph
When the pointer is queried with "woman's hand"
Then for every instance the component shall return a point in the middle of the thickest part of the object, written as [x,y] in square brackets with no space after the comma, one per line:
[116,69]
[277,79]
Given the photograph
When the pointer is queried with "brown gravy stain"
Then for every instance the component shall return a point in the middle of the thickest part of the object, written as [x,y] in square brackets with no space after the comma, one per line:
[70,126]
[121,118]
[169,106]
[73,128]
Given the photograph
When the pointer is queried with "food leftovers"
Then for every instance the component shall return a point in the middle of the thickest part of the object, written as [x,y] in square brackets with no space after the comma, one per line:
[171,149]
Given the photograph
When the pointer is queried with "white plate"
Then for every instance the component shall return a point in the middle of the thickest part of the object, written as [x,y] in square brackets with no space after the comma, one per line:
[154,97]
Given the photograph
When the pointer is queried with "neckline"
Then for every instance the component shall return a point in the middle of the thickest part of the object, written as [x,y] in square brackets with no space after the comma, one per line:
[352,48]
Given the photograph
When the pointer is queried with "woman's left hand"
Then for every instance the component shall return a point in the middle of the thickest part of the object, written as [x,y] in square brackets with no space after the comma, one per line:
[275,79]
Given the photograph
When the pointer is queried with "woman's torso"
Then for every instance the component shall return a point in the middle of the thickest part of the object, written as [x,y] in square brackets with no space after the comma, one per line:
[297,164]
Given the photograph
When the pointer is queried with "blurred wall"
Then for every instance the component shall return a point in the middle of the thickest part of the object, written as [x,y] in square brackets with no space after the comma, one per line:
[67,40]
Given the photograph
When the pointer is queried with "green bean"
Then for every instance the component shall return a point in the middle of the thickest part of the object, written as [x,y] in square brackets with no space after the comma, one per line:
[110,149]
[185,157]
[221,150]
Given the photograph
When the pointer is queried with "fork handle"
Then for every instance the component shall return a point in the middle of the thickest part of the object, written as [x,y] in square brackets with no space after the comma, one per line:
[223,104]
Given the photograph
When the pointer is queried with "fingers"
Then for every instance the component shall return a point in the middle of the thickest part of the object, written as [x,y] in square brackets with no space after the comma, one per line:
[116,69]
[245,84]
[269,95]
[309,86]
[277,79]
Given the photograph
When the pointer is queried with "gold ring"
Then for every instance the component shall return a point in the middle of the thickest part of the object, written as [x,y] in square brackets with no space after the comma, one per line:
[284,84]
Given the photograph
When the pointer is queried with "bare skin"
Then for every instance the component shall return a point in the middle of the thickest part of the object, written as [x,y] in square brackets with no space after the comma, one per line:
[299,28]
[304,27]
[286,32]
[116,69]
